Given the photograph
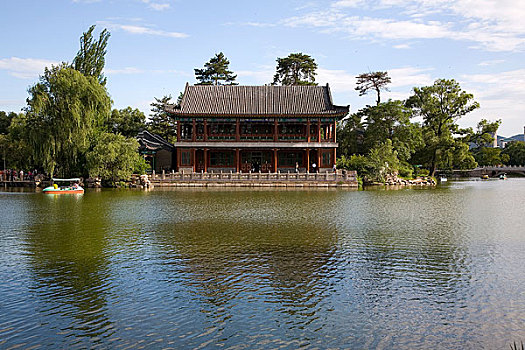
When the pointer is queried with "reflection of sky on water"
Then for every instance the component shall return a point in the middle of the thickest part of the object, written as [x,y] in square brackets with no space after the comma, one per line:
[191,268]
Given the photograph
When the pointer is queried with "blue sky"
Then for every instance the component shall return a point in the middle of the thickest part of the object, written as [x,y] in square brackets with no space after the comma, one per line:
[156,44]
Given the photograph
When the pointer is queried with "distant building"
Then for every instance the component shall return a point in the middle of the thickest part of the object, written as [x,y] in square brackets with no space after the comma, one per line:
[157,152]
[256,128]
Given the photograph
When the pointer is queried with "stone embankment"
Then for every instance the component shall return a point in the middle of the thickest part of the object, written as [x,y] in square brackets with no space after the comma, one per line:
[419,181]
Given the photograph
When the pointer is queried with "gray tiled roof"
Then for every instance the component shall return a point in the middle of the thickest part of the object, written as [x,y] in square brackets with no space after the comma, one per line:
[238,100]
[149,141]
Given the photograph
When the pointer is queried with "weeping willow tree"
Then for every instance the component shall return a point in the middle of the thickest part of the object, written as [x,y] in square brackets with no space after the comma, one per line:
[91,56]
[64,111]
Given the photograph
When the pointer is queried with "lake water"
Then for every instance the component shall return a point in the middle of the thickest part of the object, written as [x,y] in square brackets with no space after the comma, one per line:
[405,269]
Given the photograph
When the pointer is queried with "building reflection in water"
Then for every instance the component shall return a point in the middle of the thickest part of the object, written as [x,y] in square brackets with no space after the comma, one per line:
[264,264]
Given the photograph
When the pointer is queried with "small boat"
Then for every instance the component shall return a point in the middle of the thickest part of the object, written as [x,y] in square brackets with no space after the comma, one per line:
[484,177]
[503,177]
[443,179]
[73,188]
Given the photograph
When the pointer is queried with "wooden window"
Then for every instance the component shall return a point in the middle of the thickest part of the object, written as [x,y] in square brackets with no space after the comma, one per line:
[288,159]
[185,158]
[221,158]
[326,159]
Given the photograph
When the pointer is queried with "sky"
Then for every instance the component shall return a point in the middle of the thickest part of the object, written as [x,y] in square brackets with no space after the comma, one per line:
[155,45]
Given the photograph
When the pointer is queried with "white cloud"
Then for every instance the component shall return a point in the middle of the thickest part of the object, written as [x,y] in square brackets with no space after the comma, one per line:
[348,3]
[25,68]
[256,77]
[142,30]
[160,7]
[402,46]
[150,31]
[157,6]
[491,62]
[410,76]
[339,80]
[490,25]
[499,95]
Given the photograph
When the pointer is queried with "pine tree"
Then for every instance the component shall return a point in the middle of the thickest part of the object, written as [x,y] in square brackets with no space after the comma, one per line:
[215,72]
[296,69]
[376,81]
[161,123]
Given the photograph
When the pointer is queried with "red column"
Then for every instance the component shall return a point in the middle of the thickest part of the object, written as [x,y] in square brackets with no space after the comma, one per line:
[319,130]
[205,129]
[275,130]
[205,160]
[318,159]
[194,132]
[275,160]
[237,160]
[238,129]
[308,130]
[335,155]
[335,131]
[308,160]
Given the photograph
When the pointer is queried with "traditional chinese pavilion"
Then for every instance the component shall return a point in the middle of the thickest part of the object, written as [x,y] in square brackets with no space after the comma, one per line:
[256,128]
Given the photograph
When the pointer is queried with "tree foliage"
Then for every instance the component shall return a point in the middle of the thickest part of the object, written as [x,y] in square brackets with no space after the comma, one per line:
[441,106]
[490,156]
[382,161]
[128,122]
[216,72]
[114,157]
[64,110]
[350,133]
[161,123]
[14,147]
[516,152]
[484,134]
[91,57]
[296,69]
[391,120]
[5,121]
[376,81]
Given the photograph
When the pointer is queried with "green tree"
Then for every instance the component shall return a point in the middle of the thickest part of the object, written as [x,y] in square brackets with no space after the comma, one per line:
[114,158]
[382,161]
[516,152]
[216,72]
[490,156]
[350,136]
[441,106]
[296,69]
[5,121]
[91,57]
[64,111]
[14,147]
[128,122]
[391,120]
[484,134]
[161,122]
[376,81]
